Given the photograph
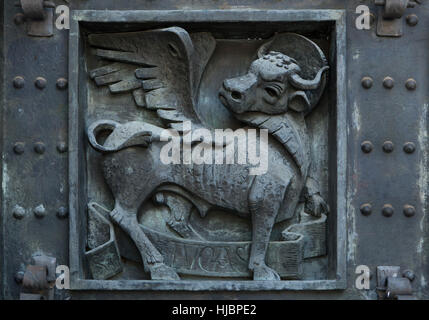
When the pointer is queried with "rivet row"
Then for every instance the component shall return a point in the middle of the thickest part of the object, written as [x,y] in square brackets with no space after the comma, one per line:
[388,146]
[39,211]
[388,83]
[38,147]
[387,210]
[40,82]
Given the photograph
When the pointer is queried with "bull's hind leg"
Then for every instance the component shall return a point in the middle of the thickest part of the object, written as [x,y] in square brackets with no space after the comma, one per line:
[152,259]
[264,203]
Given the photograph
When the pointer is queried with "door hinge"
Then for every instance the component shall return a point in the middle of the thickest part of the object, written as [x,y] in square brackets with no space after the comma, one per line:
[392,285]
[39,278]
[39,15]
[389,21]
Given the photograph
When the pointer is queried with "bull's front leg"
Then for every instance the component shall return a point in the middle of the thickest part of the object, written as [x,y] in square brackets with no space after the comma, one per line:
[152,259]
[264,204]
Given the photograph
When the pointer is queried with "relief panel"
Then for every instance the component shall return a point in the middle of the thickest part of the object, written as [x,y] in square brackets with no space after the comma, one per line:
[157,201]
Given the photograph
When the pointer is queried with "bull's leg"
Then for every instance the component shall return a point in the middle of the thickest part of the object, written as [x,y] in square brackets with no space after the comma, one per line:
[264,204]
[152,259]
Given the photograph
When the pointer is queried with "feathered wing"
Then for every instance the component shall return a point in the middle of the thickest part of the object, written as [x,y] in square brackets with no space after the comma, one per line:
[161,68]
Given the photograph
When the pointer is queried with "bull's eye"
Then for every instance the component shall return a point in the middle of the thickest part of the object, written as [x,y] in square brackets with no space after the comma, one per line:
[273,91]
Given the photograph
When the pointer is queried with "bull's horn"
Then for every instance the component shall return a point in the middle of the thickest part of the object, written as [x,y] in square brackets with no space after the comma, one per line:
[304,84]
[263,50]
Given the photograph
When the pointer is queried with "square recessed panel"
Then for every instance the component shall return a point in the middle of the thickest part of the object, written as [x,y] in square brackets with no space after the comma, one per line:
[226,26]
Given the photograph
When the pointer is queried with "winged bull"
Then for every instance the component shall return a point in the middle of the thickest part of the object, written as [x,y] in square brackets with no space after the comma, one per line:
[271,95]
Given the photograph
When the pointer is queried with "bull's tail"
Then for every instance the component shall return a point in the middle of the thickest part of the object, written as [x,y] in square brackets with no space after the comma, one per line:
[121,136]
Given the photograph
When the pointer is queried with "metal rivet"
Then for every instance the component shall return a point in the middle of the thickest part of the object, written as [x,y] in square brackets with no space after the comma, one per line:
[366,82]
[39,147]
[18,82]
[62,83]
[409,274]
[18,148]
[62,213]
[409,210]
[412,20]
[411,84]
[388,146]
[18,212]
[19,18]
[40,82]
[388,82]
[409,147]
[366,146]
[40,211]
[62,147]
[387,210]
[366,209]
[19,276]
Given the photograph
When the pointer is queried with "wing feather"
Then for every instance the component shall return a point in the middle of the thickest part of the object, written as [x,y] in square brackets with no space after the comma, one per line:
[161,68]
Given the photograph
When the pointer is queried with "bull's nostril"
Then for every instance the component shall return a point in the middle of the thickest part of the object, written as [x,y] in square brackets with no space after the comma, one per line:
[236,95]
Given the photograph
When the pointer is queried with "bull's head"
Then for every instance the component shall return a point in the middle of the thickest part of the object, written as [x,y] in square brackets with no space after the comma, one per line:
[272,85]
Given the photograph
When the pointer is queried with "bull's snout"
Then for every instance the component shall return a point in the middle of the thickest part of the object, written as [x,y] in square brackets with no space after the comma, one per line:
[233,91]
[236,93]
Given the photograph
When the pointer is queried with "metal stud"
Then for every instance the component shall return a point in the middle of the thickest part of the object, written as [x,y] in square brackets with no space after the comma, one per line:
[18,212]
[366,146]
[40,211]
[412,20]
[366,209]
[39,147]
[18,82]
[366,82]
[40,82]
[388,146]
[409,210]
[18,148]
[387,210]
[19,18]
[62,212]
[388,82]
[409,147]
[62,83]
[19,276]
[409,274]
[411,84]
[62,147]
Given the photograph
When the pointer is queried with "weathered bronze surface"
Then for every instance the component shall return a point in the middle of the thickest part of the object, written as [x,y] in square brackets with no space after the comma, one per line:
[86,111]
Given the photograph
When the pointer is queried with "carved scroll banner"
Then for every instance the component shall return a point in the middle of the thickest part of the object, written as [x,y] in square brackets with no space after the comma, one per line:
[314,233]
[103,259]
[306,239]
[226,259]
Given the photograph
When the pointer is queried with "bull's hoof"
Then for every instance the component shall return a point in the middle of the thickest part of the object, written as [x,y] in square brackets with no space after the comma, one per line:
[159,271]
[263,272]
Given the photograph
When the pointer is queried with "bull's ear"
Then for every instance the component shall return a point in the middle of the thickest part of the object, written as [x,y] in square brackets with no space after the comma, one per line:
[298,101]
